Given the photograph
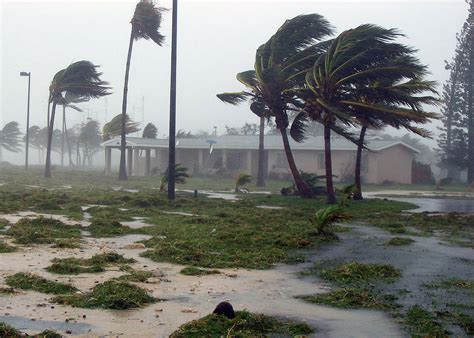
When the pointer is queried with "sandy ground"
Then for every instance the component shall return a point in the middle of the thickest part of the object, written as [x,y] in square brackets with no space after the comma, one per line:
[187,297]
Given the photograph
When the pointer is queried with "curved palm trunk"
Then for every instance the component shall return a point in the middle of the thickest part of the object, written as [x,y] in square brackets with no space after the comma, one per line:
[261,154]
[123,140]
[358,183]
[331,196]
[301,185]
[62,136]
[47,169]
[71,163]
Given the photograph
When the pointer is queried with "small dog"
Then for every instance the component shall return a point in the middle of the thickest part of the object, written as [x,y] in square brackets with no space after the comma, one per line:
[226,309]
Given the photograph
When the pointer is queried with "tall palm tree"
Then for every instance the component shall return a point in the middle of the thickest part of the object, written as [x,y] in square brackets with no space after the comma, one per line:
[280,66]
[340,83]
[80,79]
[10,138]
[146,24]
[401,93]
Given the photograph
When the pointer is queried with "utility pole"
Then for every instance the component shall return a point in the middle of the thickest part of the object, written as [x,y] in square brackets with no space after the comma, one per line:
[172,129]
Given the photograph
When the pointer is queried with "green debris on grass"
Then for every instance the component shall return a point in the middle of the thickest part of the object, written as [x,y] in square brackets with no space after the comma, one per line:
[451,283]
[42,230]
[6,291]
[108,228]
[66,244]
[353,298]
[8,331]
[4,247]
[245,324]
[27,281]
[354,273]
[136,276]
[112,294]
[194,271]
[97,263]
[399,241]
[422,323]
[3,223]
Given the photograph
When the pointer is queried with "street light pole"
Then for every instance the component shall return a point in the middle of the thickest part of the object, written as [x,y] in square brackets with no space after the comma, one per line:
[172,129]
[27,138]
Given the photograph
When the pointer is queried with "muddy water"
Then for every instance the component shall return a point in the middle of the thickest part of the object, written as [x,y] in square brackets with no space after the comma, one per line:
[270,291]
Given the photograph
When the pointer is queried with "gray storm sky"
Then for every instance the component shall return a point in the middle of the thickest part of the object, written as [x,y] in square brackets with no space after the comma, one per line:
[217,39]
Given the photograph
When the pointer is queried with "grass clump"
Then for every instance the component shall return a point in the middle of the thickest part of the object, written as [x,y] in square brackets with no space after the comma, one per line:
[353,298]
[194,271]
[136,276]
[8,331]
[27,281]
[354,273]
[42,230]
[108,228]
[6,291]
[245,324]
[399,241]
[48,334]
[5,248]
[112,294]
[451,283]
[97,263]
[422,323]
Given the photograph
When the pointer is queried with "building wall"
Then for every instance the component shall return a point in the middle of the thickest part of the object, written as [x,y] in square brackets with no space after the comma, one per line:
[391,164]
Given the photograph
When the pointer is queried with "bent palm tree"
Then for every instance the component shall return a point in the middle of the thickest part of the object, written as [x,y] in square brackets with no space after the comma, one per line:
[10,138]
[181,173]
[341,84]
[81,80]
[280,66]
[146,23]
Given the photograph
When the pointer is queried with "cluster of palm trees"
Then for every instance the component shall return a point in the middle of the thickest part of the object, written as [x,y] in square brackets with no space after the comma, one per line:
[363,78]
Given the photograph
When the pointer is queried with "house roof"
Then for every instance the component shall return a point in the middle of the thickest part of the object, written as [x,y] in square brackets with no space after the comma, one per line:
[272,142]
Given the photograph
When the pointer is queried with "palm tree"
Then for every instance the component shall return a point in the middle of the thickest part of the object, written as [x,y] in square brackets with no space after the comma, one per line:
[114,127]
[280,66]
[341,84]
[80,79]
[150,131]
[181,173]
[10,138]
[146,23]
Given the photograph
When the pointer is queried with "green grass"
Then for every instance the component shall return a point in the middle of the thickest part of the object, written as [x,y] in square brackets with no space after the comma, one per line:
[451,283]
[466,322]
[354,273]
[27,281]
[112,294]
[8,331]
[399,241]
[107,228]
[136,276]
[194,271]
[42,231]
[353,298]
[5,248]
[422,323]
[97,263]
[245,324]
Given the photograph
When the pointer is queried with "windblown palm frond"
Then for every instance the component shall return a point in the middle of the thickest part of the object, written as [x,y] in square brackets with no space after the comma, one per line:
[114,127]
[146,22]
[180,175]
[242,180]
[10,137]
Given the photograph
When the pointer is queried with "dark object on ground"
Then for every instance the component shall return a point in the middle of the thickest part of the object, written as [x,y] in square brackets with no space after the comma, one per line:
[226,309]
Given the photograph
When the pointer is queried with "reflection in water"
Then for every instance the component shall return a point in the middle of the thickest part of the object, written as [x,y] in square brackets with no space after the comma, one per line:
[439,204]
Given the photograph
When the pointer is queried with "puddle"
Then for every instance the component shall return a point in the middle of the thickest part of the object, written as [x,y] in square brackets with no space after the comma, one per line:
[179,213]
[26,324]
[137,223]
[13,218]
[270,207]
[126,190]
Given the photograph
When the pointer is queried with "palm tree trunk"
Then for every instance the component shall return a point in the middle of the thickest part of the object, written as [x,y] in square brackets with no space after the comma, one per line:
[68,141]
[62,137]
[47,169]
[301,185]
[261,154]
[123,139]
[358,183]
[331,196]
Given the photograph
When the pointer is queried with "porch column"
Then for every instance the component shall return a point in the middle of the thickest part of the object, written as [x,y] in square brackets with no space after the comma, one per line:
[224,158]
[129,161]
[201,160]
[136,153]
[108,160]
[249,162]
[148,162]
